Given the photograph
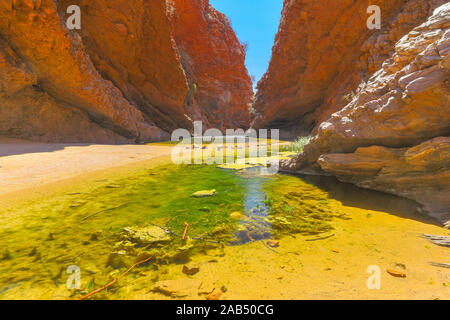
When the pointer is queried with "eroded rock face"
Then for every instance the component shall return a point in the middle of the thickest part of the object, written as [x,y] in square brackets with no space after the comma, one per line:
[119,78]
[130,44]
[322,52]
[220,88]
[385,138]
[58,62]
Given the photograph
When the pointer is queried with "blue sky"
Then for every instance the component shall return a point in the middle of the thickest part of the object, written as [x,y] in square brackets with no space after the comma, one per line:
[255,22]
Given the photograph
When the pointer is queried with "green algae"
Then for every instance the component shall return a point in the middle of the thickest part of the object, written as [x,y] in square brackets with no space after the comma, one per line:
[43,238]
[114,223]
[298,207]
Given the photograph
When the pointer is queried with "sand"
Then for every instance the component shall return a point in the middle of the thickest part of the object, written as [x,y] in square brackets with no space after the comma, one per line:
[334,268]
[25,164]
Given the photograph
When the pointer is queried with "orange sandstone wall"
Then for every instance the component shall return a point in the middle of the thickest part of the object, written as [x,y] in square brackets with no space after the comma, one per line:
[220,88]
[322,52]
[120,78]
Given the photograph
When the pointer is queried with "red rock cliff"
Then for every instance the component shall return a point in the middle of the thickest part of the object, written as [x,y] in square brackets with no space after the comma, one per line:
[130,43]
[322,52]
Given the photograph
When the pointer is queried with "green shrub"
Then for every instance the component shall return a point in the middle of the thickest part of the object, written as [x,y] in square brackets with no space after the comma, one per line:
[298,145]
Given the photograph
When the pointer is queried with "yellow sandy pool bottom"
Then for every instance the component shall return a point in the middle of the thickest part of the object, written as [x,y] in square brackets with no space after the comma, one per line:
[333,268]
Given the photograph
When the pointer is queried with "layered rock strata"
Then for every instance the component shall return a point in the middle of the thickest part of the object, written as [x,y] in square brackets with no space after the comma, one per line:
[120,77]
[394,134]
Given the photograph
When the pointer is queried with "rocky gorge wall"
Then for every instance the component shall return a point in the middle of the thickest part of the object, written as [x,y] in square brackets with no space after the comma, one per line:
[322,52]
[393,135]
[118,79]
[376,101]
[220,88]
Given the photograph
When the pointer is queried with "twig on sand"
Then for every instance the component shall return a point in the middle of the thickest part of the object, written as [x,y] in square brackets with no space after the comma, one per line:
[104,210]
[440,265]
[115,280]
[265,244]
[321,238]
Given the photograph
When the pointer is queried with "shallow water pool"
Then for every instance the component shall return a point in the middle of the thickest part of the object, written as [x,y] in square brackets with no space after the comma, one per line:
[107,228]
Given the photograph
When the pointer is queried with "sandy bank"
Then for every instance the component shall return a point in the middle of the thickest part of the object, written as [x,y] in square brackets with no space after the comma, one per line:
[26,164]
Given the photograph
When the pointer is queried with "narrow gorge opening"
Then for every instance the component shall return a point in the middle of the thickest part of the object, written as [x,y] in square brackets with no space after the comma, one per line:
[255,23]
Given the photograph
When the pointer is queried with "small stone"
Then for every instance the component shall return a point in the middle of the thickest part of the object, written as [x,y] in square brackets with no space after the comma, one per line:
[37,257]
[182,253]
[206,288]
[447,225]
[224,289]
[335,250]
[273,243]
[147,236]
[236,215]
[191,268]
[118,260]
[204,193]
